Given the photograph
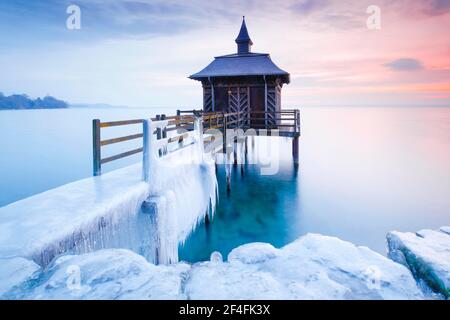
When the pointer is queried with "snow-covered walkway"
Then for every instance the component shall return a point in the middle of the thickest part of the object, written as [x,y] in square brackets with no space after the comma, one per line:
[47,224]
[105,211]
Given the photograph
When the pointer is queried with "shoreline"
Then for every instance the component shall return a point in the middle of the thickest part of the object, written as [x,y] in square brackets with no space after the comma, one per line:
[312,267]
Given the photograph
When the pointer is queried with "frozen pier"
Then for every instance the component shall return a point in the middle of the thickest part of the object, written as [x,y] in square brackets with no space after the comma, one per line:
[106,211]
[149,208]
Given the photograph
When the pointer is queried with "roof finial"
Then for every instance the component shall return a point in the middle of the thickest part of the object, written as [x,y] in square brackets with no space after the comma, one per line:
[243,40]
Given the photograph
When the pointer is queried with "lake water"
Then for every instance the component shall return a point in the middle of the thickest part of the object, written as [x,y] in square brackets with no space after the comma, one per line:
[362,173]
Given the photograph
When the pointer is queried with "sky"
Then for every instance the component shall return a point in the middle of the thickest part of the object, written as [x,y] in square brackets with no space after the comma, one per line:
[139,53]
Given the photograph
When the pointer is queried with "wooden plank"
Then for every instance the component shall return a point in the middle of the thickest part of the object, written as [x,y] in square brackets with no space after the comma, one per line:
[179,122]
[284,111]
[178,138]
[280,119]
[187,127]
[120,123]
[121,155]
[121,139]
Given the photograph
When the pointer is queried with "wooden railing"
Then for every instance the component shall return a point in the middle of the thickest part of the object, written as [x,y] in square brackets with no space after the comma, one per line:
[287,121]
[162,124]
[284,119]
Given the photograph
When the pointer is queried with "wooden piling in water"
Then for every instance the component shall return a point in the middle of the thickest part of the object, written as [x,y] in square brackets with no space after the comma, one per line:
[295,150]
[242,164]
[246,147]
[224,135]
[228,173]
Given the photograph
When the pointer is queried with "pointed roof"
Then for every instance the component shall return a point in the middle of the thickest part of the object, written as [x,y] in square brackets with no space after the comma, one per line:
[243,34]
[243,63]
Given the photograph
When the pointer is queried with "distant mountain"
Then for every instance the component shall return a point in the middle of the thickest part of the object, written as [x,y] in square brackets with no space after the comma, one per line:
[22,101]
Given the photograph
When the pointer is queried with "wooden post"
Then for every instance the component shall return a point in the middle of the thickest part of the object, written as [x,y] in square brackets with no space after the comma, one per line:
[164,134]
[150,207]
[265,103]
[295,150]
[228,172]
[158,130]
[164,131]
[242,152]
[178,119]
[224,136]
[147,136]
[246,148]
[158,133]
[198,129]
[297,121]
[96,148]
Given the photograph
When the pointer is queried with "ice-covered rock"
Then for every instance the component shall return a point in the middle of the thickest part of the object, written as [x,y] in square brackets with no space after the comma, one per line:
[14,271]
[105,274]
[312,267]
[426,253]
[253,253]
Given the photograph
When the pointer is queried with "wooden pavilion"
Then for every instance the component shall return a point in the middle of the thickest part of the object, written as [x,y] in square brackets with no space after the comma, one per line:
[243,82]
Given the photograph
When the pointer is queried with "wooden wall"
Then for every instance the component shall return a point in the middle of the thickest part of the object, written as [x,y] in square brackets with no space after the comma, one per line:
[244,94]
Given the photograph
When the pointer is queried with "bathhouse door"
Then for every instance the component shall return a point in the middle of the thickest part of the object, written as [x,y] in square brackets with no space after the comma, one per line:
[239,101]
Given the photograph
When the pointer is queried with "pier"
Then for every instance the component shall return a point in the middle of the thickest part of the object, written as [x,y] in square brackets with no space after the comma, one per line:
[218,132]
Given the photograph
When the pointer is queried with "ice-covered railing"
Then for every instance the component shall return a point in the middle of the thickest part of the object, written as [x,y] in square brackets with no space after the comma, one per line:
[107,211]
[183,187]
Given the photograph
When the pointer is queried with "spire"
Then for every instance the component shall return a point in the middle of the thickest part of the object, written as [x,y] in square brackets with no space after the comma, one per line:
[243,40]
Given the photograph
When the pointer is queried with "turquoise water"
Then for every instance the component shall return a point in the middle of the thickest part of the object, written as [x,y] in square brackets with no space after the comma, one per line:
[362,173]
[258,208]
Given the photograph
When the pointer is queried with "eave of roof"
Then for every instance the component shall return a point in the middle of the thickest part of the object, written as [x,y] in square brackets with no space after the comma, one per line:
[232,65]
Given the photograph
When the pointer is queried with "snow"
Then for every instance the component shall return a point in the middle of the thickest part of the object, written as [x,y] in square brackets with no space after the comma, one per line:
[105,274]
[105,211]
[426,253]
[15,271]
[312,267]
[253,253]
[78,217]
